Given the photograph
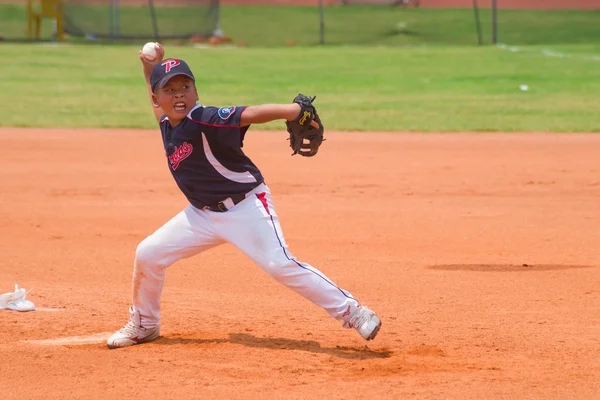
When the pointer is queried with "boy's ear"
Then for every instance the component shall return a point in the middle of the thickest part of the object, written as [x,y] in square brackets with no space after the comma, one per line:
[196,91]
[155,101]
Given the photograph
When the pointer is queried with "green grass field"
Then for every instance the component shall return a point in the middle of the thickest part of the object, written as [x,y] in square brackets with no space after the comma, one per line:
[426,89]
[363,25]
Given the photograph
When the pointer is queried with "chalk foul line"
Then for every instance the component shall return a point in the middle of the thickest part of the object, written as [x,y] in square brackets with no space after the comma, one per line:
[72,340]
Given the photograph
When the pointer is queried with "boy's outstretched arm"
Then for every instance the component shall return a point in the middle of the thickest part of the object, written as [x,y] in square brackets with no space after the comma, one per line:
[271,112]
[147,66]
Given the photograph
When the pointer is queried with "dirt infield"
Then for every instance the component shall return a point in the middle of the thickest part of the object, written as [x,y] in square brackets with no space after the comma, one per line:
[480,252]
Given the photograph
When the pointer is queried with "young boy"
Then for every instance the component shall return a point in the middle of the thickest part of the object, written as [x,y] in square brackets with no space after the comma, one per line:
[229,202]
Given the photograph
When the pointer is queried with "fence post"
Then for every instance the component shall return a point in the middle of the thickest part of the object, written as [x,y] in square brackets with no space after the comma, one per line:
[494,22]
[218,32]
[321,24]
[477,22]
[117,20]
[154,23]
[111,20]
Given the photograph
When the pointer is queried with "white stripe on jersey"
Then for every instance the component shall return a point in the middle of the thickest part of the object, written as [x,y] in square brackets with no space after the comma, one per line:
[239,177]
[189,115]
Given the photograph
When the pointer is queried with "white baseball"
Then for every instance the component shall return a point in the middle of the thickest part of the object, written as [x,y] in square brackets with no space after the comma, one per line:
[149,51]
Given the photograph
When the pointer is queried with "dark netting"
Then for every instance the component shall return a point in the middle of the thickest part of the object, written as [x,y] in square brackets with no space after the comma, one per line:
[398,3]
[337,22]
[141,19]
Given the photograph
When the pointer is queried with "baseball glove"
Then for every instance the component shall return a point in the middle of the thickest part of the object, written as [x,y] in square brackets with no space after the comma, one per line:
[304,138]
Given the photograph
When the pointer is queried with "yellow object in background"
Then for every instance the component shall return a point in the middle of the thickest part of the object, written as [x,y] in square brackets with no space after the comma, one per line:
[47,9]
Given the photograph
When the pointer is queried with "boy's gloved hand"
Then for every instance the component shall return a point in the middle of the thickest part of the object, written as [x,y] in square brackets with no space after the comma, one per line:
[305,138]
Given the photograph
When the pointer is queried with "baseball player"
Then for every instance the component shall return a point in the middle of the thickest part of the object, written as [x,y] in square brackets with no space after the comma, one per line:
[229,200]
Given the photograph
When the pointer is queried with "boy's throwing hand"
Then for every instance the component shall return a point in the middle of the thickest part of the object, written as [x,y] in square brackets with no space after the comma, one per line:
[160,54]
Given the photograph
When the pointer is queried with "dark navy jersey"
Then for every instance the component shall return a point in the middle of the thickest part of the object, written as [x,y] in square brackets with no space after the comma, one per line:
[205,156]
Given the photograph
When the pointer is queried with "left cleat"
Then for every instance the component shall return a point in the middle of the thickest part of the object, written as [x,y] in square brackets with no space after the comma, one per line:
[365,321]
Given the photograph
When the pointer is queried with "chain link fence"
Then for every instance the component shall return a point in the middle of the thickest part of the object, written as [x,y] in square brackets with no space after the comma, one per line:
[320,22]
[114,20]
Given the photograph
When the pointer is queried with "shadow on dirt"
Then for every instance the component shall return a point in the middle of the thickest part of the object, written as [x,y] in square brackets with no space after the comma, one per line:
[247,340]
[506,267]
[177,340]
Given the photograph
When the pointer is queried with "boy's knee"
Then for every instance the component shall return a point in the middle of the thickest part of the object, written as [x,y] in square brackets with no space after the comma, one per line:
[146,252]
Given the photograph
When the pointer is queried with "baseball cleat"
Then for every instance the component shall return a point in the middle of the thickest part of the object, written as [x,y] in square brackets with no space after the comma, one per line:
[16,300]
[365,321]
[132,333]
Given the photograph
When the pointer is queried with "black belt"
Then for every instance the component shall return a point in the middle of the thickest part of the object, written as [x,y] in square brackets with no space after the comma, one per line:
[221,207]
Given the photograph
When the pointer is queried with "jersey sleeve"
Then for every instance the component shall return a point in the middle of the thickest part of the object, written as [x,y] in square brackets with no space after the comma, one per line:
[225,120]
[224,117]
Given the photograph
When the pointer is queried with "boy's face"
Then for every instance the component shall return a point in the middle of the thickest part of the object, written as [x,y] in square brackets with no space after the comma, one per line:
[177,97]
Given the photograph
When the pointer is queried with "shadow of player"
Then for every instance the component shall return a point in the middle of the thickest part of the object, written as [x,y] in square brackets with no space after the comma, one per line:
[247,340]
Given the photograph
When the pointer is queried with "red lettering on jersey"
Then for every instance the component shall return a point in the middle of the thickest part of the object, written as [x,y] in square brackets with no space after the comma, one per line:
[181,153]
[169,64]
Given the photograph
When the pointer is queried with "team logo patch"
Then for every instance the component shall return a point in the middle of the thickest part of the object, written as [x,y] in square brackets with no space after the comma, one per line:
[226,112]
[179,154]
[169,65]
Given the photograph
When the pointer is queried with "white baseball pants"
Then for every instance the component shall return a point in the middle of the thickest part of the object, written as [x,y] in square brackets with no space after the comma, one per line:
[253,227]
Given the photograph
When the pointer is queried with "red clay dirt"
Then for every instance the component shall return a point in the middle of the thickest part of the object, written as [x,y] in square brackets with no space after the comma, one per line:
[515,4]
[479,251]
[505,4]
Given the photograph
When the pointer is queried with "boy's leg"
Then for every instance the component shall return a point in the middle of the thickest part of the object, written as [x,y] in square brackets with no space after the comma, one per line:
[253,227]
[188,233]
[185,235]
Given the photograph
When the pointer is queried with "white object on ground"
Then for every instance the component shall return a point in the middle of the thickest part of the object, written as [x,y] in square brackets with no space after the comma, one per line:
[16,300]
[524,87]
[149,51]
